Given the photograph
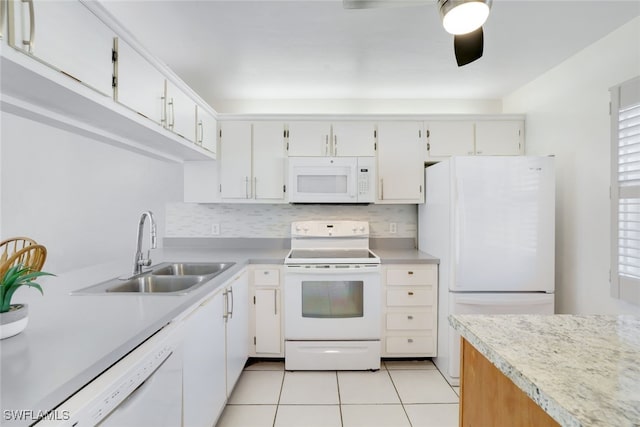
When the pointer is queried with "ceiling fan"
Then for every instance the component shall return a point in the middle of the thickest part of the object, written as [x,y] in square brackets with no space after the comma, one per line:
[462,18]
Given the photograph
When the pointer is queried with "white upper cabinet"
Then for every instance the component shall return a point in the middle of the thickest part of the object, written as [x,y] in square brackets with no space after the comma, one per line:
[400,162]
[140,85]
[206,130]
[495,138]
[268,160]
[181,112]
[235,160]
[450,138]
[310,139]
[67,36]
[354,139]
[468,138]
[324,139]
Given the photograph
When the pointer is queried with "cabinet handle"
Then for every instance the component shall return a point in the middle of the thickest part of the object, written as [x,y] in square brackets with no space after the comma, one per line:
[275,302]
[225,314]
[326,145]
[231,311]
[255,187]
[246,187]
[410,293]
[163,117]
[201,132]
[410,317]
[410,340]
[172,122]
[409,273]
[381,189]
[335,145]
[32,27]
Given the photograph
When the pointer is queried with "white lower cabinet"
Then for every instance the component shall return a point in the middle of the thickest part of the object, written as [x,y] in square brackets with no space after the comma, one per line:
[410,310]
[204,391]
[237,331]
[266,313]
[215,351]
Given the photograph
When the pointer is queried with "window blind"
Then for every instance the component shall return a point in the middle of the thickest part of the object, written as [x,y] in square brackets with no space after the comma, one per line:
[625,191]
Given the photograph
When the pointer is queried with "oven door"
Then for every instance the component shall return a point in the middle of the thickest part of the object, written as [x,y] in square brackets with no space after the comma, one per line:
[323,179]
[332,302]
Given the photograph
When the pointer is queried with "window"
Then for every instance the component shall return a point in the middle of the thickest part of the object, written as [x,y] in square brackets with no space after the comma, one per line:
[625,191]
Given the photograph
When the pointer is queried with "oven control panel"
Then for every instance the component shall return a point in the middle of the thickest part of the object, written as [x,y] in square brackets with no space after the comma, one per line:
[329,229]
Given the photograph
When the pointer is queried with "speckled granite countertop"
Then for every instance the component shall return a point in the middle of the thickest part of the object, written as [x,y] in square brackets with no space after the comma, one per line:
[582,370]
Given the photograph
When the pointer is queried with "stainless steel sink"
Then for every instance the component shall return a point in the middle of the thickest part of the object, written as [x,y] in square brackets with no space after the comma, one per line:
[192,269]
[163,279]
[156,284]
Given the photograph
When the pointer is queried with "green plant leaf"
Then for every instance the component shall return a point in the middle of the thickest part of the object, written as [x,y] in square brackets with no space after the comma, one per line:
[13,279]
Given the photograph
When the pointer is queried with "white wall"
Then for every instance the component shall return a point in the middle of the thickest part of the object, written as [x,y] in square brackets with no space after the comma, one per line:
[359,106]
[80,198]
[568,116]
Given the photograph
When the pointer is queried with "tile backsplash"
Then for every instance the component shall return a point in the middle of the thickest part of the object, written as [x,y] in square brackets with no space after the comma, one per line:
[260,221]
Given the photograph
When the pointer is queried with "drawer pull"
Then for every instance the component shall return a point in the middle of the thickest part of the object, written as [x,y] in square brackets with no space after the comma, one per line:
[410,317]
[410,293]
[265,272]
[410,340]
[409,273]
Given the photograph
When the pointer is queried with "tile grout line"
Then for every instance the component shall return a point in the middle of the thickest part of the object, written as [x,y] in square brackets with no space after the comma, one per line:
[275,416]
[339,400]
[399,397]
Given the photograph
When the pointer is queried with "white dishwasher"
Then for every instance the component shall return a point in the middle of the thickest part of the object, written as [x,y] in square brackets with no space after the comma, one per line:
[144,388]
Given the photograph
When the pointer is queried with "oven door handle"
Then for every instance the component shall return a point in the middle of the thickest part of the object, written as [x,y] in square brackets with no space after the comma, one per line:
[291,270]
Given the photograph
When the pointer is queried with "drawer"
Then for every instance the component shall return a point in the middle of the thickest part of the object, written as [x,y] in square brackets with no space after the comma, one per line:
[419,344]
[421,320]
[266,277]
[412,276]
[410,297]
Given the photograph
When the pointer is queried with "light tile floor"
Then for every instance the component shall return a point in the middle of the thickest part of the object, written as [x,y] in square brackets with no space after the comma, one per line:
[401,393]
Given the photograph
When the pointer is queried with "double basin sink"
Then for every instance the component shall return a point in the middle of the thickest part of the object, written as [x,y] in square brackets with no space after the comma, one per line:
[162,279]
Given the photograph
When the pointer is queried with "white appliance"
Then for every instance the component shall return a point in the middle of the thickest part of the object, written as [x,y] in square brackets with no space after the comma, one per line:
[491,221]
[332,179]
[332,297]
[143,389]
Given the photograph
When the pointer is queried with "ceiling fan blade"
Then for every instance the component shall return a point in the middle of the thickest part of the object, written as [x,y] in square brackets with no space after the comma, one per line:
[468,47]
[374,4]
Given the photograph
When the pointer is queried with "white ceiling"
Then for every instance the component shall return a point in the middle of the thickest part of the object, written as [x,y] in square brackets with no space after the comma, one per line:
[301,49]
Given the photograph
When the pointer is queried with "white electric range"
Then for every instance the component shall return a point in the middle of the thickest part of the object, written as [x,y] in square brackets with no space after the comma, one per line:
[332,297]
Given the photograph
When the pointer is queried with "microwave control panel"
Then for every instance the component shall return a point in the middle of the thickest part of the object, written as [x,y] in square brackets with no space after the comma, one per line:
[366,179]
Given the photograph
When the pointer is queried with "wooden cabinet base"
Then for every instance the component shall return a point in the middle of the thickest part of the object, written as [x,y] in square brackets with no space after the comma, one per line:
[489,398]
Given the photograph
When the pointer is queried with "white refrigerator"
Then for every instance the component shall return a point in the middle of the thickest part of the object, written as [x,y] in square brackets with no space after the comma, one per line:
[491,221]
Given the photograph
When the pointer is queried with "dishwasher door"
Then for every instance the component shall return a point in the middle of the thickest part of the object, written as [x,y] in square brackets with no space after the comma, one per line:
[142,389]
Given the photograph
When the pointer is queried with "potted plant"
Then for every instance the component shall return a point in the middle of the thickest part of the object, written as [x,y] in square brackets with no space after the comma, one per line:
[14,317]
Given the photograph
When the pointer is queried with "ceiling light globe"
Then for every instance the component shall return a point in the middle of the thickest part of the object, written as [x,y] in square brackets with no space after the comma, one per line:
[462,17]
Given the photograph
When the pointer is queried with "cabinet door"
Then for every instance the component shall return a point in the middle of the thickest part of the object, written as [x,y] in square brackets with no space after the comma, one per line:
[450,138]
[67,36]
[268,161]
[267,321]
[354,138]
[204,392]
[309,139]
[141,86]
[494,138]
[400,162]
[181,112]
[206,131]
[237,329]
[235,160]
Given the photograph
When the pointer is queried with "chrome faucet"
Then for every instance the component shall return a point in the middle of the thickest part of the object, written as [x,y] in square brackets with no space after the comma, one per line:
[140,261]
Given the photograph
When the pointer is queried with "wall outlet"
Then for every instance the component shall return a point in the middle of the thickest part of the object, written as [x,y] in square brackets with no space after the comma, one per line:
[215,229]
[393,228]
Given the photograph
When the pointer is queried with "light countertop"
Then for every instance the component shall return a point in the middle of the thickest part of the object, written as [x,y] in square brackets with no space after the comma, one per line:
[70,339]
[581,370]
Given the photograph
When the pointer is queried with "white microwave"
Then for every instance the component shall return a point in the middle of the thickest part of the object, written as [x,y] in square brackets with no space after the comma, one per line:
[332,179]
